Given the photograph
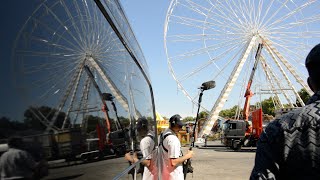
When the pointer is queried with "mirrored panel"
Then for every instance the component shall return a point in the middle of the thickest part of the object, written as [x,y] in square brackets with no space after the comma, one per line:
[69,98]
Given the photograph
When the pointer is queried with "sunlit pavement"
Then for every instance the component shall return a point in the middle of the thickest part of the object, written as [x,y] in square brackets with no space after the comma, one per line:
[213,162]
[217,162]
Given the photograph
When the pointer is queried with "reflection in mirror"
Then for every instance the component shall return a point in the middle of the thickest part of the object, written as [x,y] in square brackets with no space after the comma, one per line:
[69,98]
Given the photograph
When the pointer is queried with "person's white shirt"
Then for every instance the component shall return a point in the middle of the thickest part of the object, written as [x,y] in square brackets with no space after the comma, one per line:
[172,144]
[147,148]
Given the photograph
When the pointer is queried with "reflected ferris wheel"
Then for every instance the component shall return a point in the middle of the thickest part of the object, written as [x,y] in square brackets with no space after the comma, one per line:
[52,53]
[218,40]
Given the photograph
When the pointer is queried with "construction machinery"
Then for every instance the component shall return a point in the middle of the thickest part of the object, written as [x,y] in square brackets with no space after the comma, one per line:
[71,142]
[107,142]
[238,133]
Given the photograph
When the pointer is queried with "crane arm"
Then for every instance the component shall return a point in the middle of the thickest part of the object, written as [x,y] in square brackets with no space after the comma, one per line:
[249,93]
[104,107]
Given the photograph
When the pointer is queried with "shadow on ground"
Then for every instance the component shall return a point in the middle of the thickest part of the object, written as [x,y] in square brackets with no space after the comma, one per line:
[67,177]
[79,162]
[225,149]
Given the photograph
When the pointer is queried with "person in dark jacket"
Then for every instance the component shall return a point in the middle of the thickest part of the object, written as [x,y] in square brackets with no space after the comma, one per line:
[289,148]
[17,163]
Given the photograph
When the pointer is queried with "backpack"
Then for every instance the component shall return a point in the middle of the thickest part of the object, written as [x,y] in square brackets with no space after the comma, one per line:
[162,138]
[187,168]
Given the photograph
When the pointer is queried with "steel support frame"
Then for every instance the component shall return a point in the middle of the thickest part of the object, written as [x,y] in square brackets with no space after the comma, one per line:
[214,114]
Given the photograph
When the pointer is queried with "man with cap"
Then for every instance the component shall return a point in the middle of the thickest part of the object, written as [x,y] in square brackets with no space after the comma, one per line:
[147,147]
[289,148]
[170,155]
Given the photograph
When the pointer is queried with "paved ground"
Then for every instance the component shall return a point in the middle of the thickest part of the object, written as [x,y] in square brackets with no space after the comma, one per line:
[222,163]
[209,163]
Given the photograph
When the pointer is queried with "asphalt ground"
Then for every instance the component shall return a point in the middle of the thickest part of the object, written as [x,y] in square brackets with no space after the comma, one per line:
[212,162]
[221,163]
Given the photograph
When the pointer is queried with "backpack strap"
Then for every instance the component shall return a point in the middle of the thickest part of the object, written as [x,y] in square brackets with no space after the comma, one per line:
[162,138]
[150,136]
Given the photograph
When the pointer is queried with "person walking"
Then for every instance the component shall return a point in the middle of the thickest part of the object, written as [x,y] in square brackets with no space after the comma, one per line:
[17,163]
[289,148]
[170,154]
[147,147]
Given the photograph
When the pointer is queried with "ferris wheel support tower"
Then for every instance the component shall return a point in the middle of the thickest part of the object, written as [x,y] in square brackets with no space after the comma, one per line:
[213,116]
[276,56]
[216,40]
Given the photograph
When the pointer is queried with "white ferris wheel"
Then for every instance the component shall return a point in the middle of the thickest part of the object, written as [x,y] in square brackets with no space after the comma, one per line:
[219,39]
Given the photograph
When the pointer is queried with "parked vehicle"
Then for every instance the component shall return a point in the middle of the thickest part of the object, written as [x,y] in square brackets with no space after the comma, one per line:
[238,133]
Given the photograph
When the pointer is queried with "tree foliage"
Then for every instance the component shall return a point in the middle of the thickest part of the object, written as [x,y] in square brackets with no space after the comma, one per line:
[268,106]
[188,118]
[203,114]
[229,113]
[92,122]
[9,127]
[32,115]
[304,95]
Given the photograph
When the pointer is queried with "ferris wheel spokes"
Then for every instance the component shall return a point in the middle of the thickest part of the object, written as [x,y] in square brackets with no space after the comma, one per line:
[293,12]
[288,28]
[206,64]
[272,54]
[289,67]
[273,88]
[269,71]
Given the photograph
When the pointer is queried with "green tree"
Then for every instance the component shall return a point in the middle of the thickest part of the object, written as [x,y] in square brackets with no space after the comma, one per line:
[32,114]
[188,118]
[5,122]
[125,122]
[268,106]
[203,114]
[229,113]
[304,95]
[92,122]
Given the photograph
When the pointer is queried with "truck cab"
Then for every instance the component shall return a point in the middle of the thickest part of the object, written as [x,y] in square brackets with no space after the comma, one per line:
[233,133]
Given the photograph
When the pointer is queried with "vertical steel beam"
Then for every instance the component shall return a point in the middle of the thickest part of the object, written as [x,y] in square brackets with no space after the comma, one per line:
[214,114]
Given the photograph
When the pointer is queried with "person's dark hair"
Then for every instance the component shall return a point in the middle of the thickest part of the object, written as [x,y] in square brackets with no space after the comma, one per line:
[313,65]
[142,126]
[142,123]
[15,142]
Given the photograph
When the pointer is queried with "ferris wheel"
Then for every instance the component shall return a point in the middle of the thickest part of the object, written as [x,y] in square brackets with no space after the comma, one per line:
[219,40]
[64,49]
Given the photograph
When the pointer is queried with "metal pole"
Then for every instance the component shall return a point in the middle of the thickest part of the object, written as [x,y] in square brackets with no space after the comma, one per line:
[195,124]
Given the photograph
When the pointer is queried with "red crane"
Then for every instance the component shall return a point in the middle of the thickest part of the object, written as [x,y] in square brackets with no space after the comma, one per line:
[257,119]
[100,128]
[249,93]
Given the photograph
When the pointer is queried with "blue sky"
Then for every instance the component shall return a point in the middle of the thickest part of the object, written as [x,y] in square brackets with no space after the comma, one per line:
[147,21]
